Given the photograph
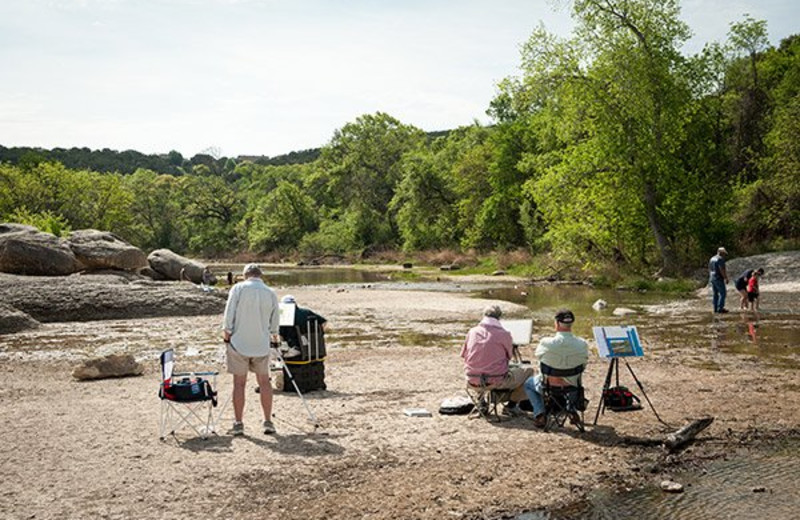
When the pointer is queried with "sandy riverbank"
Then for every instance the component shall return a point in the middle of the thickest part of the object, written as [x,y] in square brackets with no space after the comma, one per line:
[90,450]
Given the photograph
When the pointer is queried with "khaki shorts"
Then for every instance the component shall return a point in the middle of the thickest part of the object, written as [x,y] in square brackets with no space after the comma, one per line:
[516,376]
[239,365]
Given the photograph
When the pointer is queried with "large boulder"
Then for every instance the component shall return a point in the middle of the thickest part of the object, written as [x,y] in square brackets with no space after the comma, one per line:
[103,250]
[113,365]
[170,265]
[95,296]
[24,250]
[14,320]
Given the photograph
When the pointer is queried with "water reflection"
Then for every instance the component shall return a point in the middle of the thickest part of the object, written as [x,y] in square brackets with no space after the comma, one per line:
[669,321]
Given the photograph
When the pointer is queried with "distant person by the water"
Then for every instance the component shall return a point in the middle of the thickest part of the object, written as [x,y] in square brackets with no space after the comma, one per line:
[718,278]
[207,278]
[741,285]
[230,278]
[753,292]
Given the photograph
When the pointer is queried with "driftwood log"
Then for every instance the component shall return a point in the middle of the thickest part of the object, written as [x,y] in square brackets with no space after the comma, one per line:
[677,440]
[674,441]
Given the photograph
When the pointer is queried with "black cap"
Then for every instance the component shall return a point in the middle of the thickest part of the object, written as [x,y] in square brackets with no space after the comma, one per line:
[565,316]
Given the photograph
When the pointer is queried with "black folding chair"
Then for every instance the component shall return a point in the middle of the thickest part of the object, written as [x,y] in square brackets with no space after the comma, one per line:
[563,402]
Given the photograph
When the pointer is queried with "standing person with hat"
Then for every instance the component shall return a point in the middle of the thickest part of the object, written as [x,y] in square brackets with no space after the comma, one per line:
[718,278]
[562,351]
[249,325]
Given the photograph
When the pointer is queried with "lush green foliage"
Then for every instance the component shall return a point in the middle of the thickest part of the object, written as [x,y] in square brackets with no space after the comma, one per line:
[610,147]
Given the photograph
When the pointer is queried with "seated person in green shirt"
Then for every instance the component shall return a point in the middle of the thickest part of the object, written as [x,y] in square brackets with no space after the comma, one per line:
[562,351]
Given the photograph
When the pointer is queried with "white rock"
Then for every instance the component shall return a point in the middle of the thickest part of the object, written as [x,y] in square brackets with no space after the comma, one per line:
[670,486]
[599,305]
[623,311]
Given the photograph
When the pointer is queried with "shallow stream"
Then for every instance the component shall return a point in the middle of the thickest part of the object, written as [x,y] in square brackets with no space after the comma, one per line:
[753,484]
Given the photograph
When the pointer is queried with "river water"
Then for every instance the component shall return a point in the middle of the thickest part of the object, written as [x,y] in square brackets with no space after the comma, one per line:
[755,484]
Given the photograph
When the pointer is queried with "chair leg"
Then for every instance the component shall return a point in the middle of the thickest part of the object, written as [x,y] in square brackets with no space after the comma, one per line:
[173,418]
[478,398]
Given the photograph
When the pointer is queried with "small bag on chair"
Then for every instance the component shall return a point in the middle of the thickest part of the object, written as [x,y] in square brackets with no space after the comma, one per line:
[187,390]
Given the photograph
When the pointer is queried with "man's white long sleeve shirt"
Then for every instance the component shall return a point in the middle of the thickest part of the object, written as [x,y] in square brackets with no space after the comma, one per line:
[251,316]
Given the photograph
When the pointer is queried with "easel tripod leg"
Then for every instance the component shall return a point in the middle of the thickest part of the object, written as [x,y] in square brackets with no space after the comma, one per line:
[639,384]
[606,385]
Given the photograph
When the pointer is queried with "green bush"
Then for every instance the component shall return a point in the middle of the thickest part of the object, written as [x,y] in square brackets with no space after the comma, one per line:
[46,221]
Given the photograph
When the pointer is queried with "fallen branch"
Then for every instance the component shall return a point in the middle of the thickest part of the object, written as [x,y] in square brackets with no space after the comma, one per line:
[675,441]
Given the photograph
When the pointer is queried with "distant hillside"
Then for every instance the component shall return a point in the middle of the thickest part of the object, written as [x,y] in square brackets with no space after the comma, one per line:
[105,160]
[128,161]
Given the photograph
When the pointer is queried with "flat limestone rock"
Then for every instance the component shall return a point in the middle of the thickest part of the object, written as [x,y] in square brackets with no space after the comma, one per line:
[670,486]
[113,365]
[623,311]
[14,320]
[108,296]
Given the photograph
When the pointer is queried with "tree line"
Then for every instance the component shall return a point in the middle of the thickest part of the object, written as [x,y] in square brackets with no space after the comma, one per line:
[610,146]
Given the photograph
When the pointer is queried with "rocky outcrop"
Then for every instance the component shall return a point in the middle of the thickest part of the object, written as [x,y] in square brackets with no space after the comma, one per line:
[114,365]
[87,297]
[14,320]
[24,250]
[170,265]
[103,250]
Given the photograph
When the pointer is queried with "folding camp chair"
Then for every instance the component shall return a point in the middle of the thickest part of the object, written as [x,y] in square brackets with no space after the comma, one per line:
[187,399]
[563,402]
[486,397]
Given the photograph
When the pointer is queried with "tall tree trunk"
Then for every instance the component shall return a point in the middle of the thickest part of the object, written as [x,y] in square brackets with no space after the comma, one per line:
[669,261]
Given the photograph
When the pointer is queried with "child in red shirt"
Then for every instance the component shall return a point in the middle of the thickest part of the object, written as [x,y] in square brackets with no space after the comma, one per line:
[752,291]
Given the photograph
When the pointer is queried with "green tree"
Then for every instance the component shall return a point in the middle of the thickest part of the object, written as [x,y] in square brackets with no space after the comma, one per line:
[358,172]
[156,207]
[616,99]
[424,204]
[769,206]
[211,212]
[281,219]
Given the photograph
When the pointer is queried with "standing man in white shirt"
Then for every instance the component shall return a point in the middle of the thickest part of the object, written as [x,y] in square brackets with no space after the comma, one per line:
[249,326]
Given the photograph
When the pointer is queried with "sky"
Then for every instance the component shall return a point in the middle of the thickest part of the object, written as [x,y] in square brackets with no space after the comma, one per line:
[266,77]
